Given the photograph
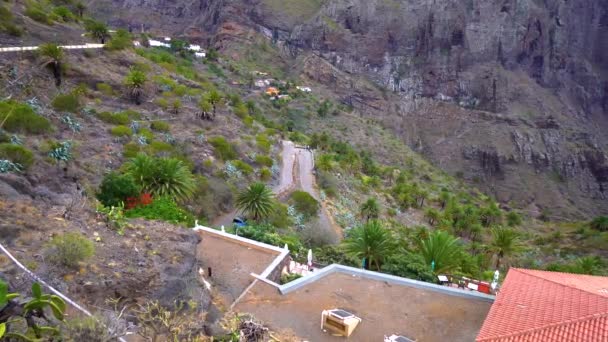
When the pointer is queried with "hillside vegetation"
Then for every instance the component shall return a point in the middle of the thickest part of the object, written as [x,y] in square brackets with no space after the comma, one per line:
[108,156]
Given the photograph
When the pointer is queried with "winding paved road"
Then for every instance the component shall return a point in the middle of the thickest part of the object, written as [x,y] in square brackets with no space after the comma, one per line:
[296,172]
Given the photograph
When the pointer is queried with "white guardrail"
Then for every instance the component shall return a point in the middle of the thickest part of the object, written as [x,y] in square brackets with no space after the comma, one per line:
[67,47]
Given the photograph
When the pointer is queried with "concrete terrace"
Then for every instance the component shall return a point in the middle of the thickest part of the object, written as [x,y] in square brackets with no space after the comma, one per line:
[232,259]
[246,272]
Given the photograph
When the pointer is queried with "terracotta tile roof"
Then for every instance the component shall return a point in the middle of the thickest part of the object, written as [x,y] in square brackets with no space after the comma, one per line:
[549,307]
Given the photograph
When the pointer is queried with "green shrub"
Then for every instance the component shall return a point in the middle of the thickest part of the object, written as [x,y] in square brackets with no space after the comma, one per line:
[266,233]
[245,168]
[513,219]
[105,89]
[21,118]
[12,29]
[164,209]
[241,110]
[328,183]
[223,149]
[130,150]
[279,216]
[157,147]
[114,118]
[304,203]
[160,126]
[162,103]
[17,154]
[298,138]
[35,11]
[146,133]
[6,22]
[600,223]
[263,160]
[116,188]
[64,13]
[263,142]
[287,278]
[120,40]
[265,174]
[121,131]
[70,249]
[66,103]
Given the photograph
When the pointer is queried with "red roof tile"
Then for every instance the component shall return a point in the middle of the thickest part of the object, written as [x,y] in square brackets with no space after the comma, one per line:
[549,307]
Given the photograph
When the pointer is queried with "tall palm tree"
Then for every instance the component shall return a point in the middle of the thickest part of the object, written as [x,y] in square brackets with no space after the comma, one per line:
[490,215]
[80,8]
[370,209]
[135,81]
[257,200]
[370,242]
[433,215]
[214,98]
[205,109]
[505,242]
[97,30]
[162,176]
[441,251]
[54,56]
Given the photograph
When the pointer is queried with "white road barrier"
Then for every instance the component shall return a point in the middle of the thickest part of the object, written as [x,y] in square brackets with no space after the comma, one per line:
[67,47]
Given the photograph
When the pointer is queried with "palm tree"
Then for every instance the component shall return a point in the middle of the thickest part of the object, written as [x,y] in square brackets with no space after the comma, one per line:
[257,200]
[432,215]
[441,251]
[54,56]
[370,242]
[600,223]
[490,215]
[370,209]
[214,98]
[587,265]
[205,109]
[444,197]
[97,30]
[80,8]
[505,242]
[135,81]
[162,176]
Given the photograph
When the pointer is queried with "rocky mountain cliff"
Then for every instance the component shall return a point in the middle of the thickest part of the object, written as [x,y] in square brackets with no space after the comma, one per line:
[510,94]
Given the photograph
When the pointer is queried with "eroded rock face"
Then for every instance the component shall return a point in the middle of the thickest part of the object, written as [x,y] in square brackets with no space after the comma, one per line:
[510,92]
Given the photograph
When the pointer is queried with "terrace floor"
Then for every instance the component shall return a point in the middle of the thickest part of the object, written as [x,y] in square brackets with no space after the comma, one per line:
[385,309]
[231,264]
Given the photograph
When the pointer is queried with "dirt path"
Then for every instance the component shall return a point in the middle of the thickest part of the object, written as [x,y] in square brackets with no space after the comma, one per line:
[286,181]
[296,172]
[307,183]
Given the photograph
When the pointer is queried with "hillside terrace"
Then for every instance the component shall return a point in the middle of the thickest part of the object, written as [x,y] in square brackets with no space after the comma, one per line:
[246,273]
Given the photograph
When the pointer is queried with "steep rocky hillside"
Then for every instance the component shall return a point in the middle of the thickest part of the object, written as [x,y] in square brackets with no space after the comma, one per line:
[510,95]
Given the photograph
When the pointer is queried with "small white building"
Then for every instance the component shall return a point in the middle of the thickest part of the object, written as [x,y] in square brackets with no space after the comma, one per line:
[194,47]
[136,43]
[158,43]
[304,89]
[200,54]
